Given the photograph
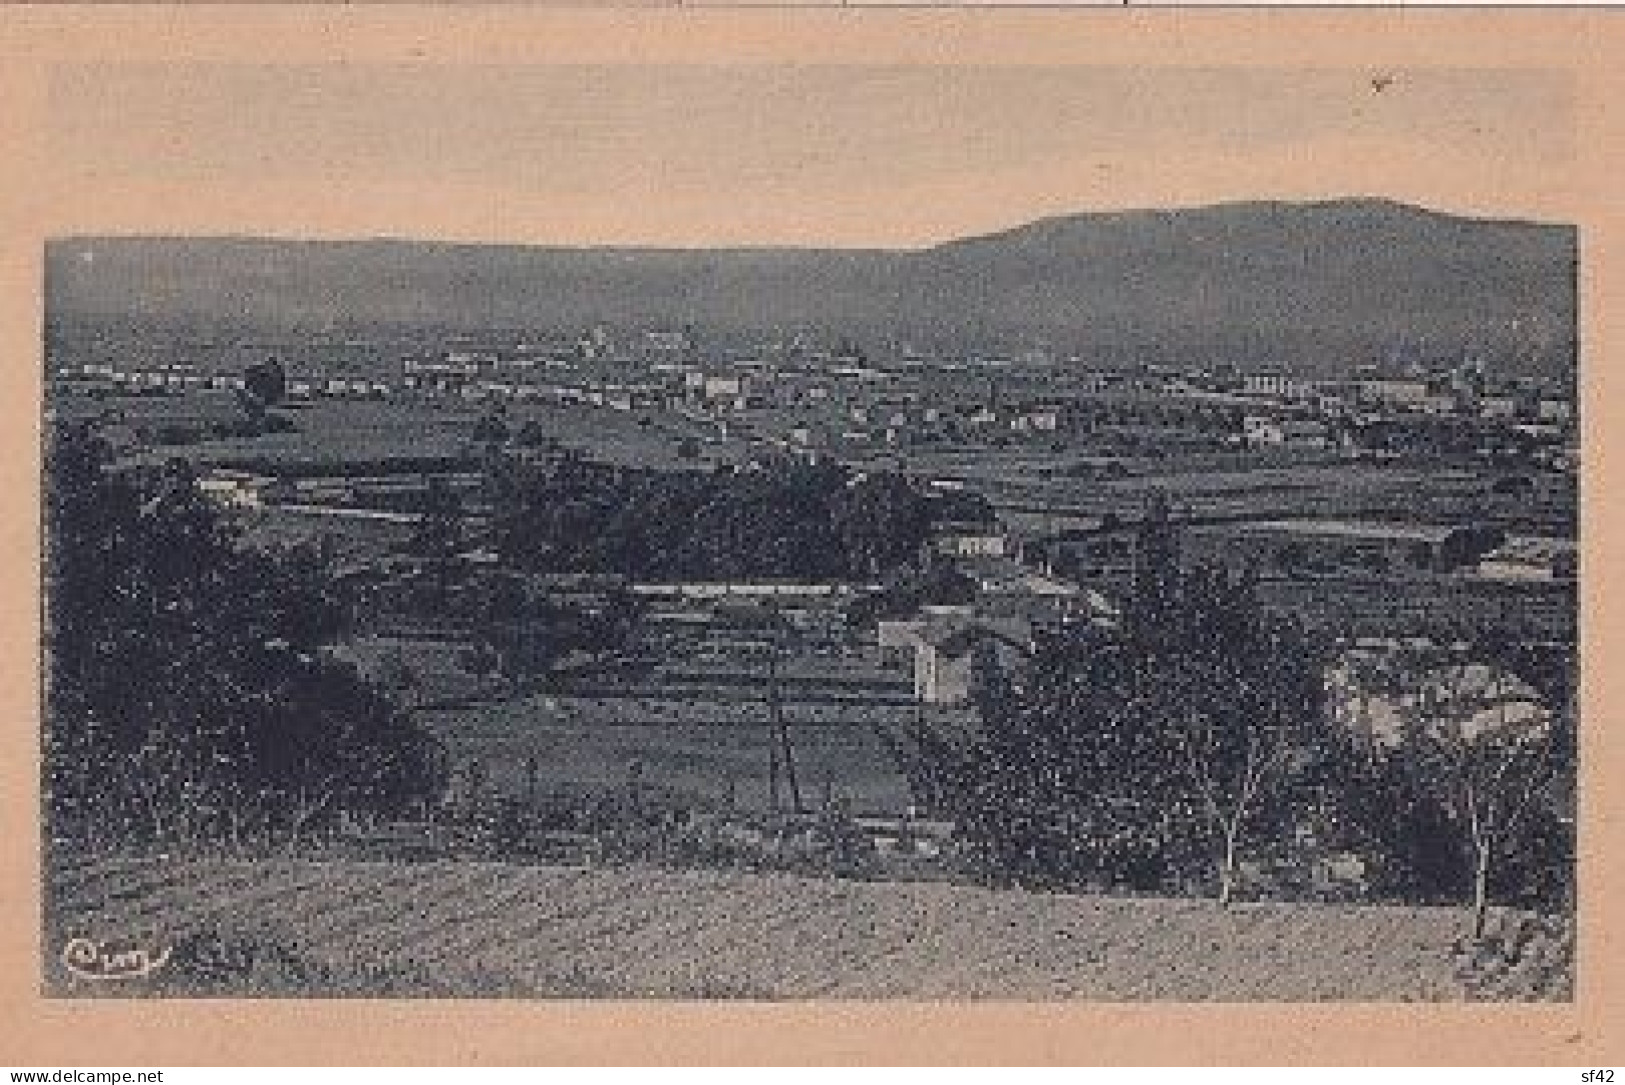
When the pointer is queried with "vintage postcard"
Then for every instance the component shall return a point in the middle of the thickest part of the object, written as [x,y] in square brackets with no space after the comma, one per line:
[1030,515]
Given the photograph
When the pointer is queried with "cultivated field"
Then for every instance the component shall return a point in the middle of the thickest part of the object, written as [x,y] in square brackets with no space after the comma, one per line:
[693,724]
[698,747]
[336,431]
[302,927]
[1233,487]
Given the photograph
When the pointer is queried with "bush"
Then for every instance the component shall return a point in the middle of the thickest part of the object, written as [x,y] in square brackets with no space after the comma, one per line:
[201,706]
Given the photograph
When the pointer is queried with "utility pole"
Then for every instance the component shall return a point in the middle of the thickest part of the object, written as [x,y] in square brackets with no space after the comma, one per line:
[928,790]
[634,785]
[780,729]
[476,780]
[773,774]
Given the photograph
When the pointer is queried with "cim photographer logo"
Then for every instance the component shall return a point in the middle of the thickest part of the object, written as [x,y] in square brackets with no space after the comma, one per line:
[95,959]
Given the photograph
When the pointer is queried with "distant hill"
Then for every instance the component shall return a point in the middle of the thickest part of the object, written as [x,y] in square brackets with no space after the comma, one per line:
[1313,286]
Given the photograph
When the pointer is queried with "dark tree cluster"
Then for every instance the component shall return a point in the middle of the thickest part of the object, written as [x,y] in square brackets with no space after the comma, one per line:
[815,522]
[935,583]
[1147,756]
[189,695]
[1444,436]
[1471,794]
[519,634]
[1199,731]
[265,384]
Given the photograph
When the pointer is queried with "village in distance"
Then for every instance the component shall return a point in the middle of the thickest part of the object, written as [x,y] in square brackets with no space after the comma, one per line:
[725,649]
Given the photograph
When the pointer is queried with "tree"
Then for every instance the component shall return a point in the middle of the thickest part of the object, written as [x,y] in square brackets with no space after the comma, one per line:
[1243,722]
[1467,545]
[532,434]
[517,636]
[1486,750]
[1291,558]
[480,660]
[1063,787]
[1150,753]
[1466,758]
[266,383]
[395,673]
[188,693]
[777,519]
[439,537]
[491,431]
[962,506]
[882,521]
[939,583]
[264,386]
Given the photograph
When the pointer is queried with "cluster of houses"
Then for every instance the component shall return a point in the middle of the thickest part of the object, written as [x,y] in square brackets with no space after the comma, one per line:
[1442,395]
[172,377]
[945,645]
[1104,554]
[808,401]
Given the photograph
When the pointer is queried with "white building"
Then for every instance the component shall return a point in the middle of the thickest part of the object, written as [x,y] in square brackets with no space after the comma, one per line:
[1394,393]
[233,489]
[1555,410]
[1524,557]
[970,540]
[1272,384]
[1263,432]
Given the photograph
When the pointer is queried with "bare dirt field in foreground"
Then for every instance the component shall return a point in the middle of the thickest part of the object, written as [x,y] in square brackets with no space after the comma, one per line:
[302,927]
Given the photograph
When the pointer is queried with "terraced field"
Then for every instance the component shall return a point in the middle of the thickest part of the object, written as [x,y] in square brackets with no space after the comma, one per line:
[302,927]
[701,730]
[1348,490]
[696,748]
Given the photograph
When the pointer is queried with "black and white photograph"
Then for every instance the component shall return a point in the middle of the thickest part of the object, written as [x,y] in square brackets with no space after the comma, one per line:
[810,531]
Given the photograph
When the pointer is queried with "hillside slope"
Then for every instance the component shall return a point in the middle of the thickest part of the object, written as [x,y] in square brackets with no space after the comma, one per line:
[472,929]
[1314,286]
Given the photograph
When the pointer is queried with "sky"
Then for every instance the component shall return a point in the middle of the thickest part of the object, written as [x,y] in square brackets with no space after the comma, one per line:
[695,156]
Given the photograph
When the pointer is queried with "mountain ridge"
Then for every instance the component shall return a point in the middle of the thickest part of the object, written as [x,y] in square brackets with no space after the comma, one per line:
[1313,285]
[1372,203]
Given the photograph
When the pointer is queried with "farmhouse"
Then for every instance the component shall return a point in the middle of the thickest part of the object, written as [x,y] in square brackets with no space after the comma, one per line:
[1555,410]
[1096,381]
[667,342]
[914,836]
[1395,393]
[948,644]
[1040,419]
[1105,555]
[1531,558]
[234,489]
[1440,403]
[964,539]
[1271,384]
[946,657]
[718,389]
[1261,431]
